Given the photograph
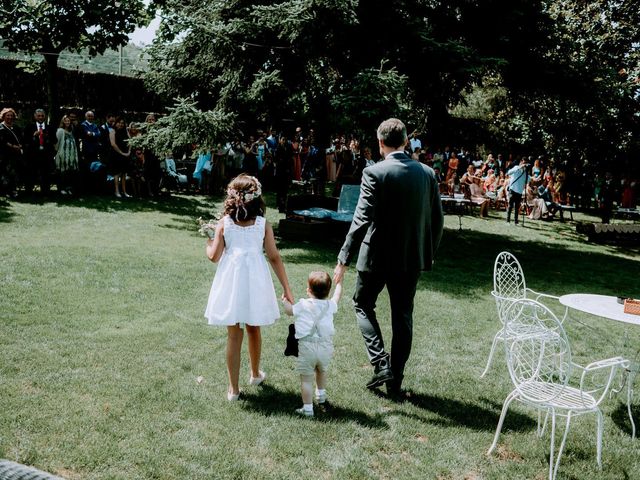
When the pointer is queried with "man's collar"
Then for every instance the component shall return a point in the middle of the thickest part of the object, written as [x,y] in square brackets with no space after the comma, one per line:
[397,155]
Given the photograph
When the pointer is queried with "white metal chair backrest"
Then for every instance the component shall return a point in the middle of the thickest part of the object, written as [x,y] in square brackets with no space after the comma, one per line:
[508,277]
[508,282]
[538,351]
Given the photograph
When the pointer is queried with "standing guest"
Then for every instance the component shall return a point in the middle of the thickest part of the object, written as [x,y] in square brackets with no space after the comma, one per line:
[242,294]
[10,153]
[332,160]
[152,170]
[297,161]
[415,142]
[314,331]
[90,136]
[76,129]
[136,162]
[452,166]
[119,161]
[260,150]
[397,226]
[105,134]
[38,142]
[202,171]
[272,141]
[282,160]
[517,182]
[250,162]
[66,157]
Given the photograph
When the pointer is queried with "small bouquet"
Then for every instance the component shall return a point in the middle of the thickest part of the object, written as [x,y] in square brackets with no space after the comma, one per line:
[207,228]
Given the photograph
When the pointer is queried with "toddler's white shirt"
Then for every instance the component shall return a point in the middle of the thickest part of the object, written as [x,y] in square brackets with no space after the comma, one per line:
[308,311]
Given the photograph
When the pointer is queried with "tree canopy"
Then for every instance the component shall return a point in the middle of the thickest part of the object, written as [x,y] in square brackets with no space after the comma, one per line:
[564,73]
[48,28]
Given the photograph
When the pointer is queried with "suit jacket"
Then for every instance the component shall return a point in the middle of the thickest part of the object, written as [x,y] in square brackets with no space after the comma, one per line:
[397,224]
[32,141]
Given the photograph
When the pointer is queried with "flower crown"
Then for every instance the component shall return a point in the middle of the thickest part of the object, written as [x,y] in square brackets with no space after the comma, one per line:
[246,197]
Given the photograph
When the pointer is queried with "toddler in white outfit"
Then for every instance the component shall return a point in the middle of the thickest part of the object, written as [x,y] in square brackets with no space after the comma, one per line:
[314,331]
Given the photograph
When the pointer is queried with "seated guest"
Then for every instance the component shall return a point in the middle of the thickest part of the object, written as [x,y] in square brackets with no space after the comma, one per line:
[538,206]
[469,176]
[489,182]
[545,193]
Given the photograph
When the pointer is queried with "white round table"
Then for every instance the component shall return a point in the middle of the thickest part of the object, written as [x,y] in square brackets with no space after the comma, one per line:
[606,306]
[601,305]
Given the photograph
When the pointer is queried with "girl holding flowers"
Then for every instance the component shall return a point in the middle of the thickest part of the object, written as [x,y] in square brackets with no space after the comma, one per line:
[242,294]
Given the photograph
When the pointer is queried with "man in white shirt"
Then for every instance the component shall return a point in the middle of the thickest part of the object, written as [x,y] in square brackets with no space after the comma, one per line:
[415,142]
[518,176]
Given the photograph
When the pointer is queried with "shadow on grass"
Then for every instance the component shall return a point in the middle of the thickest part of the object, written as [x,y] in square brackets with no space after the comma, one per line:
[464,264]
[313,253]
[181,205]
[466,414]
[620,415]
[268,400]
[5,211]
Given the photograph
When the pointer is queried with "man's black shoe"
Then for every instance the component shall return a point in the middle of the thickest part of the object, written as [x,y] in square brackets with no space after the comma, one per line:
[398,395]
[381,377]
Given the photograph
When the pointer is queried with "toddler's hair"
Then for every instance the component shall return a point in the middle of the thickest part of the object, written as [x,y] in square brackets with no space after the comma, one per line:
[319,284]
[244,198]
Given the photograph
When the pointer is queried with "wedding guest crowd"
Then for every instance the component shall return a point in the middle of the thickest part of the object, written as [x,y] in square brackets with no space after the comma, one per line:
[95,158]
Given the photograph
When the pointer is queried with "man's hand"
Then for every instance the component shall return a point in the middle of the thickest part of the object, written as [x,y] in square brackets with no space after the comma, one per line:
[338,272]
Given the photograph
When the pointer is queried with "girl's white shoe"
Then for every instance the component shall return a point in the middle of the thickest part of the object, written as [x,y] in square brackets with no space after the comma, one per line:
[232,397]
[257,380]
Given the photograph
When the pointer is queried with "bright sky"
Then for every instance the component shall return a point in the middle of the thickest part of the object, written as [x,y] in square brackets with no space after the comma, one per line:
[145,36]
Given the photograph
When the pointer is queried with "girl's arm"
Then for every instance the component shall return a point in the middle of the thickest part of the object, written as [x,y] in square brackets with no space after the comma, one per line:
[215,245]
[59,138]
[276,261]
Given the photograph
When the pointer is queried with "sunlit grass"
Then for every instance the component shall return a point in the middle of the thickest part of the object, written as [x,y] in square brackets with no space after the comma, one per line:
[103,338]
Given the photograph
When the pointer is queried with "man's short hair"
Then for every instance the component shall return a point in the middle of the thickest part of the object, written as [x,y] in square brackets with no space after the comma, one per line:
[319,284]
[392,133]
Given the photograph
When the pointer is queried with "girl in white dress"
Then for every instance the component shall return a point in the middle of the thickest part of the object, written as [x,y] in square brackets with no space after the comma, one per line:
[242,293]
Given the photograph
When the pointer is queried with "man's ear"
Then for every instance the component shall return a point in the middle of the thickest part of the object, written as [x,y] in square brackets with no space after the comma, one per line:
[381,143]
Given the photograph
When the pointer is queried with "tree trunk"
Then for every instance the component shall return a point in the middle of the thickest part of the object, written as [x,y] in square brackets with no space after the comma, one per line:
[51,61]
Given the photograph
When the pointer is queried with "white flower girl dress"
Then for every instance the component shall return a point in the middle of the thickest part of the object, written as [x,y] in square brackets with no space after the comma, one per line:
[242,290]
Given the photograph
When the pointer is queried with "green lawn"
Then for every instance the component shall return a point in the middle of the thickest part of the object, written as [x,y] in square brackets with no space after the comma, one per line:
[103,338]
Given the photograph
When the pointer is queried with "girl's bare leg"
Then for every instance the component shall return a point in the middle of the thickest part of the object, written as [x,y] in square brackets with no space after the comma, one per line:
[255,349]
[234,348]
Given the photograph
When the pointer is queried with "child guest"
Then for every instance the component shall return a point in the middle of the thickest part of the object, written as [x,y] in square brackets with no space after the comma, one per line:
[242,293]
[314,331]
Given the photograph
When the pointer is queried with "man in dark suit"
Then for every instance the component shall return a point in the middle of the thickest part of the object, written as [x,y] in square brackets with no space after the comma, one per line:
[39,139]
[397,228]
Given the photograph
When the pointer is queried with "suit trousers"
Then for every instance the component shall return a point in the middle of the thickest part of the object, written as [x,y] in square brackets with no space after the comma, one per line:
[402,289]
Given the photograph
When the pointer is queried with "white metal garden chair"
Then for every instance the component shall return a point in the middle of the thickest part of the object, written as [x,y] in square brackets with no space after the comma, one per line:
[540,366]
[509,285]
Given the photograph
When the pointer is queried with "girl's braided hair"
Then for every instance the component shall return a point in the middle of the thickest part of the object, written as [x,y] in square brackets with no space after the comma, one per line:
[244,198]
